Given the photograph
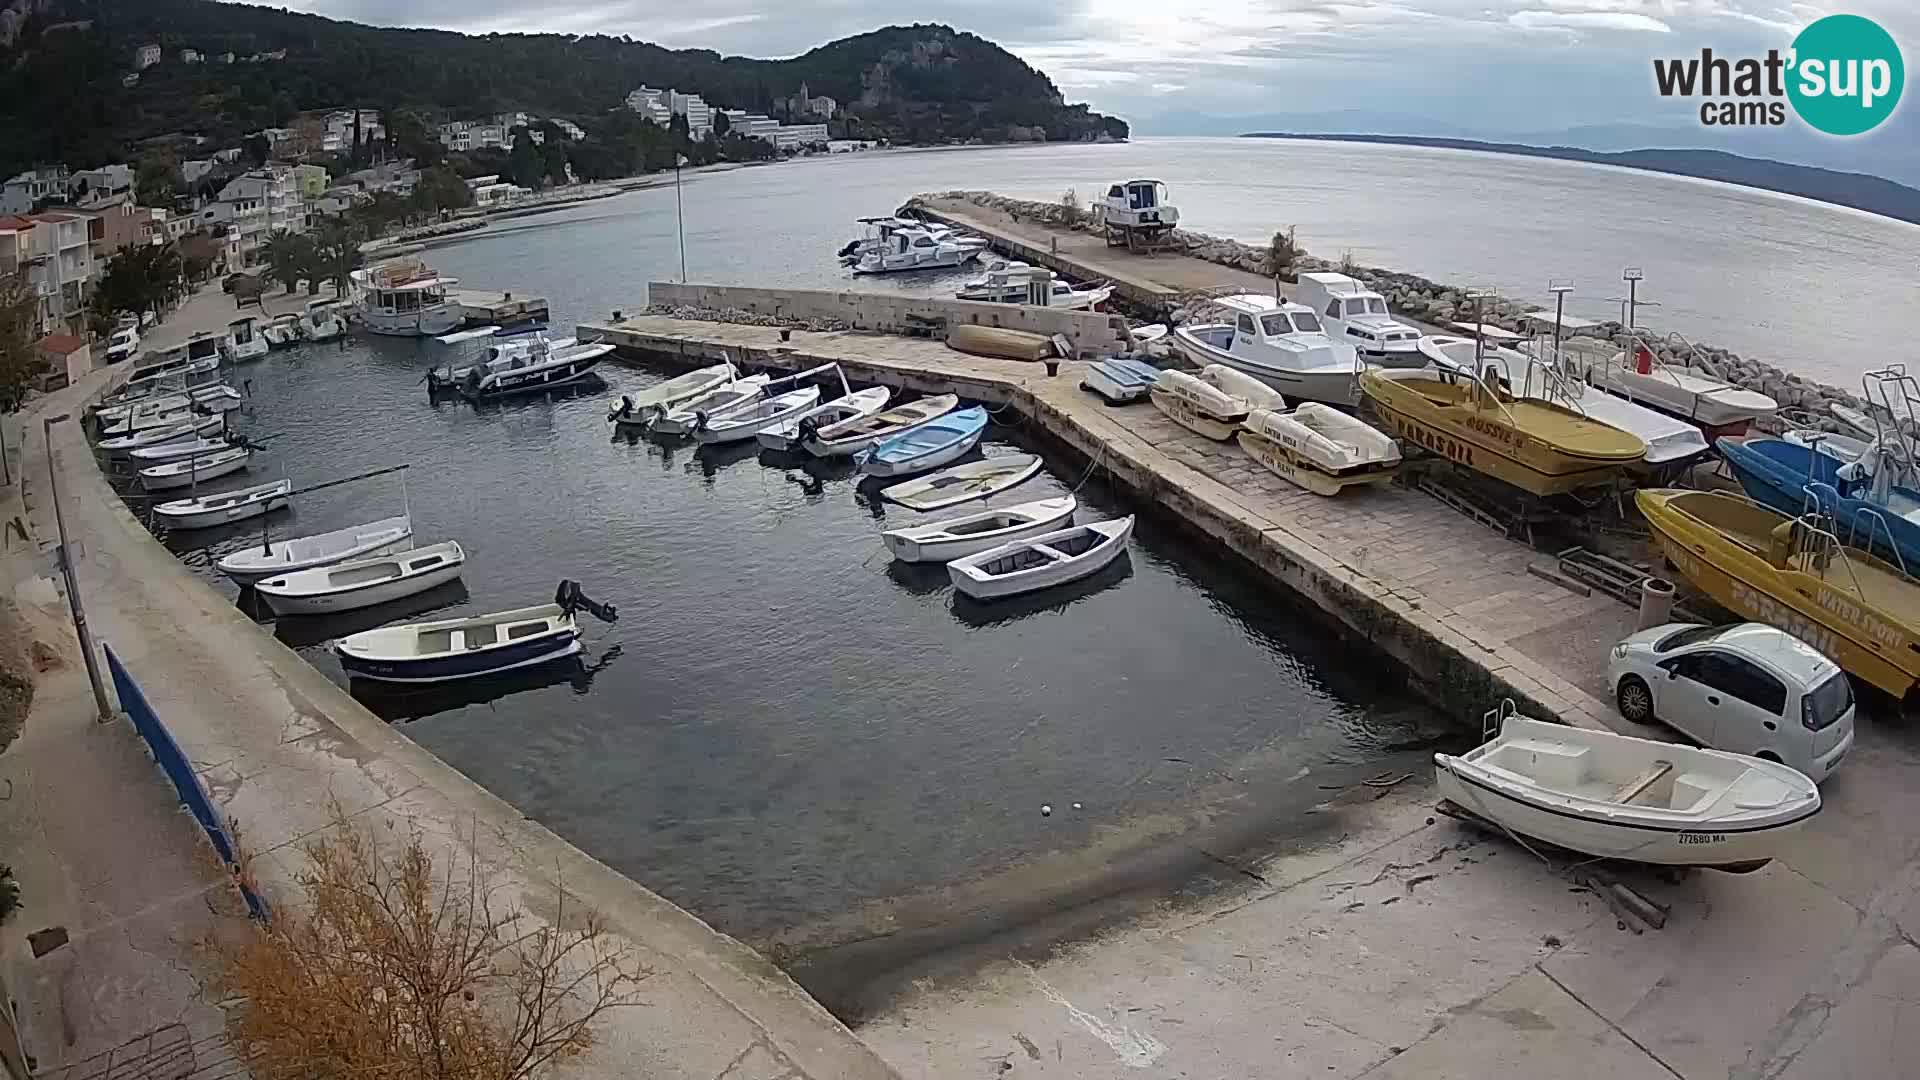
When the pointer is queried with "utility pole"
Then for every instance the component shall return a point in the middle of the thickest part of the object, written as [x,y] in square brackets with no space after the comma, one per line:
[65,555]
[680,214]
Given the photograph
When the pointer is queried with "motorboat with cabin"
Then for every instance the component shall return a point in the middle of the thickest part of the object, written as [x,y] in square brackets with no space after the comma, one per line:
[1019,283]
[910,248]
[1351,312]
[1281,344]
[199,356]
[520,365]
[1137,215]
[322,321]
[243,342]
[283,331]
[877,232]
[405,298]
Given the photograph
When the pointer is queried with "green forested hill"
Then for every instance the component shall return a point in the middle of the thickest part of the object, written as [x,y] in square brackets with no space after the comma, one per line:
[61,97]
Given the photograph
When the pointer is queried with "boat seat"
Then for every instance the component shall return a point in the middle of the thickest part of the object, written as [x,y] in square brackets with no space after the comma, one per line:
[1638,786]
[1689,789]
[1557,765]
[1051,553]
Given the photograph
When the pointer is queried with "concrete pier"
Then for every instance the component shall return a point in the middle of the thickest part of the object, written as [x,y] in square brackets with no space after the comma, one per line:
[1445,596]
[480,307]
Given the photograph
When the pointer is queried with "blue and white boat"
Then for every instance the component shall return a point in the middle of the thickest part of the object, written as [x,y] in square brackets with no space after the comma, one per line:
[1120,380]
[1868,511]
[935,443]
[480,645]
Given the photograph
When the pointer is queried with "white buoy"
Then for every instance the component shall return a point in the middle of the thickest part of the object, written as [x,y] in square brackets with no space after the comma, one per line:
[1046,810]
[1076,806]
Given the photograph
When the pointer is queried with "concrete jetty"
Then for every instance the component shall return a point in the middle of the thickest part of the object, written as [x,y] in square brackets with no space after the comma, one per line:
[1447,597]
[481,307]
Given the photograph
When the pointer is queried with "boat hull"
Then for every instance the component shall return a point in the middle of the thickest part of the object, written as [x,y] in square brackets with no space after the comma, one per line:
[1193,418]
[465,666]
[964,483]
[997,587]
[933,459]
[369,595]
[1329,387]
[1300,470]
[171,480]
[1118,381]
[375,538]
[526,382]
[1783,484]
[203,519]
[944,550]
[428,322]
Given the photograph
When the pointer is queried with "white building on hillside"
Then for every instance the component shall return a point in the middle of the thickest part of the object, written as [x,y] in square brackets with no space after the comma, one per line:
[145,57]
[573,131]
[651,104]
[18,195]
[699,114]
[254,207]
[796,136]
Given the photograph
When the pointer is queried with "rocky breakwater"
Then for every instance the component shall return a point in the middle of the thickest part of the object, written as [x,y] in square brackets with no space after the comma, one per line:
[1424,300]
[746,318]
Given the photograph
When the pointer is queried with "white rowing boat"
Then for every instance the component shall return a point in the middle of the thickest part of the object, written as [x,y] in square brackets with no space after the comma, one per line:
[964,483]
[854,406]
[237,505]
[1617,797]
[711,405]
[743,424]
[125,444]
[955,537]
[188,471]
[362,583]
[1041,562]
[174,451]
[320,549]
[852,436]
[642,406]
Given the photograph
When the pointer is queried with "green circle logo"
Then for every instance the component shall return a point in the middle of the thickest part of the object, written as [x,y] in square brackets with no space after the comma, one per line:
[1847,75]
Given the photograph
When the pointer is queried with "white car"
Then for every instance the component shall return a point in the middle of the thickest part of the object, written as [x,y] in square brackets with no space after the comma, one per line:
[123,344]
[1746,688]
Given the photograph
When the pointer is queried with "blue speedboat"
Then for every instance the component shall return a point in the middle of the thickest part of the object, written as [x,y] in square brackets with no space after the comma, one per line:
[1789,478]
[933,444]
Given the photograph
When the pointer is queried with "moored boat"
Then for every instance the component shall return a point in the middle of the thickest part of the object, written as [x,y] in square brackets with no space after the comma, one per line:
[642,406]
[1793,573]
[964,483]
[738,394]
[321,549]
[523,367]
[188,429]
[1319,448]
[1618,797]
[937,442]
[179,448]
[1198,406]
[283,332]
[405,298]
[322,321]
[852,436]
[740,425]
[1041,562]
[1120,380]
[854,406]
[1536,446]
[955,537]
[228,506]
[363,582]
[198,469]
[243,343]
[465,648]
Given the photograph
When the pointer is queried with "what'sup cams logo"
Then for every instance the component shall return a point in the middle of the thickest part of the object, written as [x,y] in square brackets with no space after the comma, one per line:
[1843,76]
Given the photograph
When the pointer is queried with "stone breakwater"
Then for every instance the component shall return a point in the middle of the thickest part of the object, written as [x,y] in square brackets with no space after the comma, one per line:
[1429,301]
[746,318]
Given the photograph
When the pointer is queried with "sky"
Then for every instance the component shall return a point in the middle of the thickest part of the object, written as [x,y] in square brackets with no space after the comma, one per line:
[1461,66]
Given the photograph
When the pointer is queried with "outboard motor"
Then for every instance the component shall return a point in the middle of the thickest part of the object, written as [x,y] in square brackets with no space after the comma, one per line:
[808,430]
[852,246]
[570,599]
[623,410]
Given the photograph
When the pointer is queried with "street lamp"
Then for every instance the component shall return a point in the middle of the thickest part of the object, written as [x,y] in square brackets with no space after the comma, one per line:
[65,558]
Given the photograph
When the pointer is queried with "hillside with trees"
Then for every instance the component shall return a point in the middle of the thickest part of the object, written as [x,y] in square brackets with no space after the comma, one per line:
[64,93]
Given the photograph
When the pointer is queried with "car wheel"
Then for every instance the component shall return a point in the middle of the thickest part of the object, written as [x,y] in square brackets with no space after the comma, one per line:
[1635,699]
[1768,755]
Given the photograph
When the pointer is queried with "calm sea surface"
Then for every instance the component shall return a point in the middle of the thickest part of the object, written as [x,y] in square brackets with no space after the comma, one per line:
[812,747]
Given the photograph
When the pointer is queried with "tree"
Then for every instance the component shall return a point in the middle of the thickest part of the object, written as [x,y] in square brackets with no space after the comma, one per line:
[441,189]
[336,253]
[257,148]
[523,162]
[289,257]
[20,360]
[721,124]
[1281,253]
[391,967]
[154,181]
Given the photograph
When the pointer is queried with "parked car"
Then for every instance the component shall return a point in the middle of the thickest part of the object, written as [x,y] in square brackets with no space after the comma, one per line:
[1747,688]
[123,344]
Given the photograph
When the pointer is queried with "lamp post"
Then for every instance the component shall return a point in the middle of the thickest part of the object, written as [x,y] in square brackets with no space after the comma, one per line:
[1559,289]
[73,587]
[679,214]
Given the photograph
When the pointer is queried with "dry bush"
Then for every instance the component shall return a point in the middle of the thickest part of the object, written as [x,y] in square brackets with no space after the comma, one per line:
[391,968]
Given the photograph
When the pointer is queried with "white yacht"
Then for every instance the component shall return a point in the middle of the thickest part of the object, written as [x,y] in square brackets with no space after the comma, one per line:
[1357,315]
[283,332]
[322,321]
[876,234]
[243,343]
[1018,283]
[915,248]
[405,299]
[1281,344]
[522,364]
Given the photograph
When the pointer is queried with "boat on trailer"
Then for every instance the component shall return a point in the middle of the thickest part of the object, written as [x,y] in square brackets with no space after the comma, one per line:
[956,484]
[362,583]
[1617,797]
[321,549]
[849,437]
[955,537]
[189,471]
[1041,562]
[641,407]
[937,442]
[854,406]
[1319,448]
[240,504]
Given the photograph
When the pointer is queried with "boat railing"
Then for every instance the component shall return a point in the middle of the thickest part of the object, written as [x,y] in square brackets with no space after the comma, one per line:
[1879,388]
[1493,719]
[1819,546]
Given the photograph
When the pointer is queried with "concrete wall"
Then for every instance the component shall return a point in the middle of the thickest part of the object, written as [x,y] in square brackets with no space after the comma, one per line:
[1091,334]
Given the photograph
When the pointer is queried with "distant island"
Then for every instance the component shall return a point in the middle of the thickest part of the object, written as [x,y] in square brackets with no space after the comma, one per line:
[1859,191]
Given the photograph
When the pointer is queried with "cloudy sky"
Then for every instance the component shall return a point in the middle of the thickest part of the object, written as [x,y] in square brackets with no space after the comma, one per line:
[1475,65]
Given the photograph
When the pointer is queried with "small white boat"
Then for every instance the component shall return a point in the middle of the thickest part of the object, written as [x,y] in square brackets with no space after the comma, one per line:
[322,549]
[217,397]
[1200,407]
[113,418]
[160,412]
[964,483]
[179,448]
[954,537]
[852,436]
[1256,394]
[1319,448]
[283,332]
[156,436]
[937,442]
[1353,313]
[1695,396]
[1282,345]
[1040,562]
[711,405]
[1617,797]
[237,505]
[1120,380]
[1019,283]
[322,321]
[189,471]
[461,648]
[641,406]
[743,424]
[914,248]
[854,406]
[243,343]
[361,583]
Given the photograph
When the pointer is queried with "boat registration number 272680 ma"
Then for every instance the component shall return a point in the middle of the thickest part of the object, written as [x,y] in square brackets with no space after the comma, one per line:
[1703,838]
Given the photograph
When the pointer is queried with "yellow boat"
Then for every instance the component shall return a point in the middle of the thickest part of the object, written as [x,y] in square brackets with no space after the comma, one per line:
[1796,575]
[1533,445]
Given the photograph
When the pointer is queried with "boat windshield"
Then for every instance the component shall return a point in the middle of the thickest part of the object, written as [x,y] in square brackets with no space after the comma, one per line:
[1376,305]
[1306,322]
[1827,703]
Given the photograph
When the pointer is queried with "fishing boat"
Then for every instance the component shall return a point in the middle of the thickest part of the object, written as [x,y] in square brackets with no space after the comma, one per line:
[1536,446]
[743,424]
[1617,797]
[321,549]
[362,582]
[1869,508]
[937,442]
[1319,448]
[158,413]
[738,394]
[215,397]
[283,332]
[186,429]
[199,356]
[179,448]
[1041,562]
[956,484]
[1794,573]
[242,342]
[405,298]
[228,506]
[955,537]
[642,406]
[1693,395]
[1018,283]
[1351,312]
[1198,406]
[188,471]
[852,436]
[322,321]
[1120,380]
[522,367]
[854,406]
[114,418]
[464,648]
[908,248]
[1282,345]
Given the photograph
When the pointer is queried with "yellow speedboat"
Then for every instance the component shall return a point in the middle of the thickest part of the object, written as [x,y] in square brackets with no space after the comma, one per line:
[1794,574]
[1534,445]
